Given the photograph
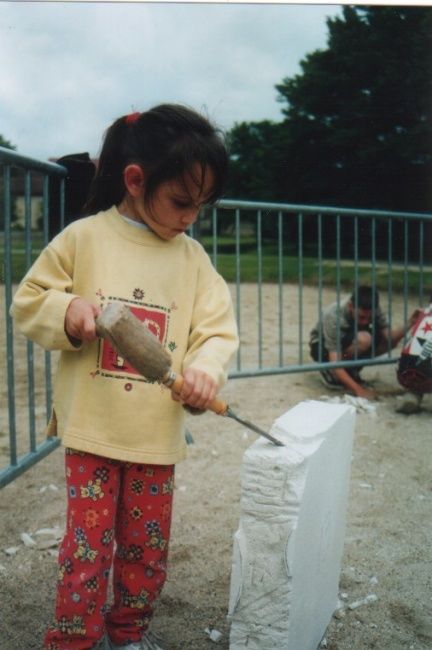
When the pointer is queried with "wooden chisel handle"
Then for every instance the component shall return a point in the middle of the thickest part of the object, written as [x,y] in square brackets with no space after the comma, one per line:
[175,383]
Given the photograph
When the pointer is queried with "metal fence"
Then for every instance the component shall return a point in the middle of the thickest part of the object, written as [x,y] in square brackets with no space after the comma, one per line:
[326,252]
[26,388]
[283,262]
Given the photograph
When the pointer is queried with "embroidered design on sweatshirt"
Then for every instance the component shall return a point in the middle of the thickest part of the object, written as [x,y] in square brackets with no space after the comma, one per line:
[138,294]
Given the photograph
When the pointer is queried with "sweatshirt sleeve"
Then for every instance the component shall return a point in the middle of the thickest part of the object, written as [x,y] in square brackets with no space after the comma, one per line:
[43,296]
[213,338]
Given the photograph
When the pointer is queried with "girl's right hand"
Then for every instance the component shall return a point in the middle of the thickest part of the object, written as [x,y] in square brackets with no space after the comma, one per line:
[80,322]
[198,389]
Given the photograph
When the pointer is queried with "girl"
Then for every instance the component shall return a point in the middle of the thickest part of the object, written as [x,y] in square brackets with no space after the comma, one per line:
[122,433]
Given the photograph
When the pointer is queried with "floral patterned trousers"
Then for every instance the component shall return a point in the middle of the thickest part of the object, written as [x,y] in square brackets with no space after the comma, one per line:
[110,500]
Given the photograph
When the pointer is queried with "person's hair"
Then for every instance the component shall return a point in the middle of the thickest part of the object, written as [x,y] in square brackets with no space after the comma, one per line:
[169,142]
[365,298]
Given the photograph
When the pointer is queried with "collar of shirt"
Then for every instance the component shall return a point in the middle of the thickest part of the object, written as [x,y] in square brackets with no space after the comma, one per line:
[137,224]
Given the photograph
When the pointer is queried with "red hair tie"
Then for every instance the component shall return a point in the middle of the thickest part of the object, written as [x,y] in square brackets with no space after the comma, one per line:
[132,118]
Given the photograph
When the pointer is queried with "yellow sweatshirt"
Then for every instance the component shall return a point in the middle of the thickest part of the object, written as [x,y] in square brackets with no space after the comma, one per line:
[101,405]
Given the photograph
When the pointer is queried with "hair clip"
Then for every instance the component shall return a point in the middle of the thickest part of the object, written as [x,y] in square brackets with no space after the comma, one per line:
[132,118]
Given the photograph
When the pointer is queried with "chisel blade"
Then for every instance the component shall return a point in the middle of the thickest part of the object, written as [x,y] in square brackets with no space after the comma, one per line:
[230,413]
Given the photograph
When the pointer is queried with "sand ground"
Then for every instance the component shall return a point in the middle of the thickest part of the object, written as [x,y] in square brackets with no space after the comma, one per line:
[387,546]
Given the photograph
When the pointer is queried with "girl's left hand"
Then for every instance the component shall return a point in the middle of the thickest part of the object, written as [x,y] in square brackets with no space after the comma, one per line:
[198,390]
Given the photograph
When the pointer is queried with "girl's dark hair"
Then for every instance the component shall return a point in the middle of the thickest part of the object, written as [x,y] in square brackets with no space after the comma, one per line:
[169,142]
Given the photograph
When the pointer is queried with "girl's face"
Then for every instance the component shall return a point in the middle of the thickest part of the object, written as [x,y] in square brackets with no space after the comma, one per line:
[174,207]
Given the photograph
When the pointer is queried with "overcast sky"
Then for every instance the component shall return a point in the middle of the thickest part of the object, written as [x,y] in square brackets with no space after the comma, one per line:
[69,69]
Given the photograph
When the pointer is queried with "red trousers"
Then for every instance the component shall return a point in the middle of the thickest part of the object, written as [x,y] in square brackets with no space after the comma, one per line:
[110,501]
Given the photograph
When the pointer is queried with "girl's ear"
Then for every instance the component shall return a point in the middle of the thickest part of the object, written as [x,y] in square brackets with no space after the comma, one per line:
[134,180]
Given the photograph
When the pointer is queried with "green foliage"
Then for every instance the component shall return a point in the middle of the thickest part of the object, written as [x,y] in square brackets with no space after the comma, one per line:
[227,264]
[17,260]
[312,272]
[257,149]
[5,143]
[358,119]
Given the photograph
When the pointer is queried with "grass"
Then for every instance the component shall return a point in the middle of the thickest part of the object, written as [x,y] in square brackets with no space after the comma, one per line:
[310,272]
[226,263]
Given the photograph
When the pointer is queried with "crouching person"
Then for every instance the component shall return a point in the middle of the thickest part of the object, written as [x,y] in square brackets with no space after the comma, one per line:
[355,328]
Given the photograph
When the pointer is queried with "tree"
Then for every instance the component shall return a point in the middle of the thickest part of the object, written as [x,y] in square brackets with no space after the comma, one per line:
[5,143]
[260,168]
[357,128]
[256,149]
[360,112]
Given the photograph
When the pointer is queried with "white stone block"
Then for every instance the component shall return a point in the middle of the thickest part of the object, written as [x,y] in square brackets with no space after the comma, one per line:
[288,547]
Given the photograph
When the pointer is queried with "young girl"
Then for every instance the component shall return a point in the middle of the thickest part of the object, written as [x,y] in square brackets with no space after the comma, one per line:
[122,433]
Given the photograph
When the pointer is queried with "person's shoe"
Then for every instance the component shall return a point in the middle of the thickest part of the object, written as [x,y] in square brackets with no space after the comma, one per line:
[149,641]
[330,381]
[109,645]
[409,403]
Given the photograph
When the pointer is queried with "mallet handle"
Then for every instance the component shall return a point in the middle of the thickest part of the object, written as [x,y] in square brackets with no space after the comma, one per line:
[175,382]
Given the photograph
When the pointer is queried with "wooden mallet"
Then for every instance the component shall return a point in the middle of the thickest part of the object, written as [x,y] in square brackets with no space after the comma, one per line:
[133,340]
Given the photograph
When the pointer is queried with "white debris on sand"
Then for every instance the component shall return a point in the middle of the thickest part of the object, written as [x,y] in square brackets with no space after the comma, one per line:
[51,532]
[12,550]
[50,542]
[47,539]
[370,598]
[361,404]
[213,635]
[27,540]
[51,487]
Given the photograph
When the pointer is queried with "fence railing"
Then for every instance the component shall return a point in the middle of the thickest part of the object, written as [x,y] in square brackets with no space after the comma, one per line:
[25,409]
[326,251]
[284,264]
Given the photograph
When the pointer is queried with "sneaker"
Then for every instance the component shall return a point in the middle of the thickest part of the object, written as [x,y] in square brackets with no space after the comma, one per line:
[409,403]
[330,381]
[109,645]
[149,641]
